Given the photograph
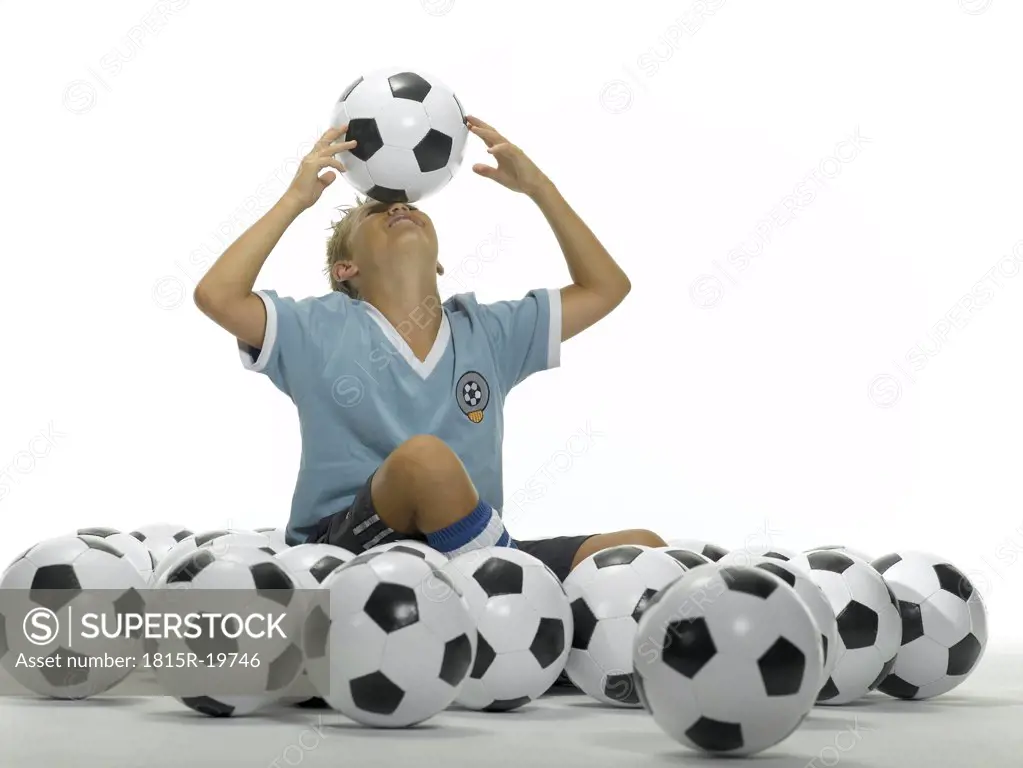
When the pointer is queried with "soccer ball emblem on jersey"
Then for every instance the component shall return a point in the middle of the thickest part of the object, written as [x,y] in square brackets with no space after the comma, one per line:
[473,395]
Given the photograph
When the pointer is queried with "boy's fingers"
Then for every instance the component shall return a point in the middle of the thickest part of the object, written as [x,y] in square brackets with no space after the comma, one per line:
[476,121]
[487,171]
[489,135]
[331,134]
[339,146]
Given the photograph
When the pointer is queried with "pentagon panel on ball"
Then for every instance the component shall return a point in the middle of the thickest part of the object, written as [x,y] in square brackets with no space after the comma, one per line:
[944,624]
[53,581]
[411,134]
[685,557]
[814,599]
[277,537]
[416,548]
[842,548]
[869,624]
[524,623]
[727,660]
[398,642]
[608,593]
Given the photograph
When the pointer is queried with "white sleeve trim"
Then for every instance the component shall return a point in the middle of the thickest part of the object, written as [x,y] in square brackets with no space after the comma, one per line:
[554,329]
[269,339]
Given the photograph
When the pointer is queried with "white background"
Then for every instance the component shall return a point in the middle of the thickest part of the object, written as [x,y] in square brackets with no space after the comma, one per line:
[729,398]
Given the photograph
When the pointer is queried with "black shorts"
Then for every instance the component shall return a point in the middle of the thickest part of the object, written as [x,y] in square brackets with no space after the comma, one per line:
[359,528]
[557,553]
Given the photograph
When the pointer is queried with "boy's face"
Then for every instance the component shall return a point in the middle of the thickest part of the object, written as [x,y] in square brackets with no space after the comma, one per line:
[398,230]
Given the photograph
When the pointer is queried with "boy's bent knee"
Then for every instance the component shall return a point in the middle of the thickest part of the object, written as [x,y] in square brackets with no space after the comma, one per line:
[423,452]
[424,485]
[423,444]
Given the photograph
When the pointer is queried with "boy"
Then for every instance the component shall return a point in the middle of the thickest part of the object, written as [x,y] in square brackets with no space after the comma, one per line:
[399,395]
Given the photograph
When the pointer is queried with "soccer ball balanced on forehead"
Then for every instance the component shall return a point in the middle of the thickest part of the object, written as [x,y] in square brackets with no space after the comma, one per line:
[399,395]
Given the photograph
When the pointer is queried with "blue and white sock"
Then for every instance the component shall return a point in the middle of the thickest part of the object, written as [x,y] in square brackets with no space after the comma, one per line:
[480,528]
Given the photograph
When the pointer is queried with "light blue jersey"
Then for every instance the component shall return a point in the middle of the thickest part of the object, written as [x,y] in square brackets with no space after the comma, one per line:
[361,392]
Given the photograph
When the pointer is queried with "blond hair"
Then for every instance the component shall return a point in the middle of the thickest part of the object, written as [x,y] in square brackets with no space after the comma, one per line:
[339,245]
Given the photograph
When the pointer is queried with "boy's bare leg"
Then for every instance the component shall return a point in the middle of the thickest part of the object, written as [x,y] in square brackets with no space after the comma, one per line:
[422,487]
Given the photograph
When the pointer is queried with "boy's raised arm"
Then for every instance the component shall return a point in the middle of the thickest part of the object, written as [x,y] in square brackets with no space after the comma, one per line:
[225,292]
[598,283]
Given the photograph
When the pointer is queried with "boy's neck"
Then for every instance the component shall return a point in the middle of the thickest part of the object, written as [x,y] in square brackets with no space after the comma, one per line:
[415,312]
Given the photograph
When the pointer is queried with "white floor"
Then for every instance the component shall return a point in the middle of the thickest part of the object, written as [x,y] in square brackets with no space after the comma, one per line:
[980,724]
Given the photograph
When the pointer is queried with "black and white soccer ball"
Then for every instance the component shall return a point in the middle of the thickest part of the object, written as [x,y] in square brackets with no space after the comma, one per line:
[608,592]
[727,660]
[472,393]
[134,551]
[524,623]
[842,548]
[398,642]
[869,624]
[411,134]
[184,547]
[711,551]
[685,557]
[309,565]
[255,671]
[239,538]
[790,556]
[218,540]
[944,624]
[47,590]
[745,558]
[277,537]
[434,557]
[816,602]
[160,538]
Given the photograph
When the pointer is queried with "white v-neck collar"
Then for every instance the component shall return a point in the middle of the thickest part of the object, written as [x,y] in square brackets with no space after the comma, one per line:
[422,367]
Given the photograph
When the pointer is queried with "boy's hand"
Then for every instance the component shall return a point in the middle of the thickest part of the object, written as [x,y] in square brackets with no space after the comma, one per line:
[514,170]
[308,185]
